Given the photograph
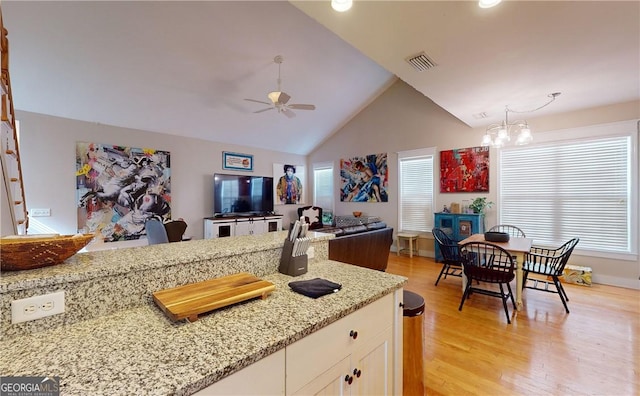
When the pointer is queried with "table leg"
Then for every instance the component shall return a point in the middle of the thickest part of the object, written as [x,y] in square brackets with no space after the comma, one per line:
[519,276]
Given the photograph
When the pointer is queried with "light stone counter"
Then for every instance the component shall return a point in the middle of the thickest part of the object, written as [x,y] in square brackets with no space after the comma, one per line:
[104,282]
[139,351]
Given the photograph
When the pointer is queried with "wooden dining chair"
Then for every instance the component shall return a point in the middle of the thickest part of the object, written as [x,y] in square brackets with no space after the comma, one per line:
[549,263]
[488,264]
[509,229]
[451,261]
[175,230]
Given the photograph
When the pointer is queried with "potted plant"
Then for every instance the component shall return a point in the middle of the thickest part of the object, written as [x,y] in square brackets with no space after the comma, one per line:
[480,204]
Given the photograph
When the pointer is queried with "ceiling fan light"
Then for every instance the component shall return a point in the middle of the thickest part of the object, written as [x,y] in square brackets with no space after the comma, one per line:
[274,96]
[341,5]
[488,3]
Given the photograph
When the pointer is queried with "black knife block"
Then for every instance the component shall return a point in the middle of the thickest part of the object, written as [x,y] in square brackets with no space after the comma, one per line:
[290,265]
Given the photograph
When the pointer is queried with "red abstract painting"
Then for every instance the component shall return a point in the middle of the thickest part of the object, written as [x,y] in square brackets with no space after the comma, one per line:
[464,170]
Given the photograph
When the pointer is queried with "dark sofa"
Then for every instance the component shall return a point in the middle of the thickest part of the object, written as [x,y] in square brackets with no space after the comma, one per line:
[364,245]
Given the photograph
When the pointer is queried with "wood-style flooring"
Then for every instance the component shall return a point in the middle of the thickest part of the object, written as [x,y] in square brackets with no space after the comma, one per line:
[594,350]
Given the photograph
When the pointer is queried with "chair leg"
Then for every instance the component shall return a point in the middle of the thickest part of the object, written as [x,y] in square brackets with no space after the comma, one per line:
[513,300]
[467,290]
[443,270]
[504,301]
[564,293]
[561,292]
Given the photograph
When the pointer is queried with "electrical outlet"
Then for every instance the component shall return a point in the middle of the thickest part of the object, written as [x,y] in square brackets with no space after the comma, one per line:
[37,307]
[40,212]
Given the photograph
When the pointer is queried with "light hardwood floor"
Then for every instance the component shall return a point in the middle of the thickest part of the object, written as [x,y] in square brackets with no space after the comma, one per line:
[594,350]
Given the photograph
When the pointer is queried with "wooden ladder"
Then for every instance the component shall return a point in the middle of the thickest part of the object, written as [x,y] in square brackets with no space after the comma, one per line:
[15,220]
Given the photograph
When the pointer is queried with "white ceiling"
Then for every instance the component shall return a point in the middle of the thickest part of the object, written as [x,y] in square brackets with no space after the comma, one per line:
[184,68]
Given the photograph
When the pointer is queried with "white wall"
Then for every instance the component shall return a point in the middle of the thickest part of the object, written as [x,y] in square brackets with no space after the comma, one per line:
[404,119]
[47,148]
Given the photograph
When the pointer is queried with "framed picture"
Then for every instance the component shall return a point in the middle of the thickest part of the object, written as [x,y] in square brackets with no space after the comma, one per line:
[464,170]
[289,187]
[237,161]
[364,179]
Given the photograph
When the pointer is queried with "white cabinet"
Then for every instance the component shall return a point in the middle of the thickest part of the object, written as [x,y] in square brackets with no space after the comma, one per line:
[356,355]
[227,227]
[264,377]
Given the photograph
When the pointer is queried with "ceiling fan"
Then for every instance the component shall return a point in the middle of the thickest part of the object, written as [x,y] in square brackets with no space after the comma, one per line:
[280,100]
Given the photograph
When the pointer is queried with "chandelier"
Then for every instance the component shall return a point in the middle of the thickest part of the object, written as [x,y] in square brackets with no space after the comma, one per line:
[517,132]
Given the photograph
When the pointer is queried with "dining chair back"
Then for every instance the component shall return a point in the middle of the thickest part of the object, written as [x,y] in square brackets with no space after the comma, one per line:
[488,264]
[451,261]
[549,263]
[175,230]
[156,233]
[509,229]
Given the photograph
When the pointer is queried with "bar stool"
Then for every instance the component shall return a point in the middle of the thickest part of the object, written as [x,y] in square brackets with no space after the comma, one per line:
[412,241]
[412,344]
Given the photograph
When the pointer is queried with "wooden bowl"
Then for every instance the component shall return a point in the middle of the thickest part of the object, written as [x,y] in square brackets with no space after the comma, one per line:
[357,214]
[35,251]
[494,236]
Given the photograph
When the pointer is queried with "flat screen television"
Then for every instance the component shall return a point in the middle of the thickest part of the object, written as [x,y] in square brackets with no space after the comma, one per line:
[238,195]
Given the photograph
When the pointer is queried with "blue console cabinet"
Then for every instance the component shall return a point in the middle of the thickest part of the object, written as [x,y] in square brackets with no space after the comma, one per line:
[458,226]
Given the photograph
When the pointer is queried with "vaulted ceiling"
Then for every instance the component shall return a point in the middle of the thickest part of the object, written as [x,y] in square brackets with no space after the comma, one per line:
[185,68]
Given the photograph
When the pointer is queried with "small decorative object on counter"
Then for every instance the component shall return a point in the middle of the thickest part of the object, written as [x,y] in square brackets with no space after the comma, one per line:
[495,236]
[445,209]
[23,252]
[455,207]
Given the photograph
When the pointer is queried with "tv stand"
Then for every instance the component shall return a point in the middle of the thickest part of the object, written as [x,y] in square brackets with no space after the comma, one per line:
[227,225]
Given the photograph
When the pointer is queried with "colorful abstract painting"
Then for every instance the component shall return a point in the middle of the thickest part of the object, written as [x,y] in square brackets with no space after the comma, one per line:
[119,188]
[464,170]
[364,179]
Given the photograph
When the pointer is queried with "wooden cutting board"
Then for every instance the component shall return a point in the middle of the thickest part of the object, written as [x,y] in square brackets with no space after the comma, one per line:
[191,300]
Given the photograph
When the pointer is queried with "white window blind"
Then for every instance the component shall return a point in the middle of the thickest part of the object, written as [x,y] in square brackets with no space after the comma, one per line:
[323,187]
[416,190]
[570,189]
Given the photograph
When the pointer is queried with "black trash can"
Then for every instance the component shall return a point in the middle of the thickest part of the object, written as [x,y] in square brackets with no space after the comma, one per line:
[413,344]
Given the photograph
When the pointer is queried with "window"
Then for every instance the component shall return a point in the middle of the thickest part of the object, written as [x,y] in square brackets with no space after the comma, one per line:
[582,188]
[415,204]
[323,186]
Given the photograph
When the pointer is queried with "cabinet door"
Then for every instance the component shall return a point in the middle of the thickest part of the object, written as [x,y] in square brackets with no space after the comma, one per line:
[331,382]
[273,225]
[243,228]
[372,366]
[264,377]
[213,229]
[259,227]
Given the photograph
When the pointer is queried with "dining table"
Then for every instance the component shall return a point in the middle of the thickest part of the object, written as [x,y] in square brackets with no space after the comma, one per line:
[518,247]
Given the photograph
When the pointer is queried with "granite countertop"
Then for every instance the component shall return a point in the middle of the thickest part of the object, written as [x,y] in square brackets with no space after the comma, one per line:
[141,351]
[103,263]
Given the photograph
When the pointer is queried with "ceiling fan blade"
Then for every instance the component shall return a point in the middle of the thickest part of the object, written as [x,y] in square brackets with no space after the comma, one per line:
[302,106]
[283,98]
[267,109]
[259,101]
[288,113]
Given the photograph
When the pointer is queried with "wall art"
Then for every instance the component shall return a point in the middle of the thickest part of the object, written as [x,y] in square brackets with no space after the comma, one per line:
[364,179]
[237,161]
[464,170]
[290,188]
[119,188]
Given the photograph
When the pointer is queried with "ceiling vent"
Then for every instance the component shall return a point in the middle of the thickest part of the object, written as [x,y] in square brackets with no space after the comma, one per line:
[421,62]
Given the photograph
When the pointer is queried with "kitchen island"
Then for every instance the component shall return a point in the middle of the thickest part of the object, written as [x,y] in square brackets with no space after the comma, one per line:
[139,350]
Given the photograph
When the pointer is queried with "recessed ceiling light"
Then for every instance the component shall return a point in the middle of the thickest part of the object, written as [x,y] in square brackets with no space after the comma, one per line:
[341,5]
[488,3]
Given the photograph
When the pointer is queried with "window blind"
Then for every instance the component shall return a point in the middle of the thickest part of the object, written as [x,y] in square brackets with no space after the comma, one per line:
[323,187]
[570,189]
[416,192]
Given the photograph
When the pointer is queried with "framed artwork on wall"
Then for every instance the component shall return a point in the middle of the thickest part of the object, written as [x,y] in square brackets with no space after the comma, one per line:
[290,188]
[237,161]
[364,179]
[119,188]
[464,170]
